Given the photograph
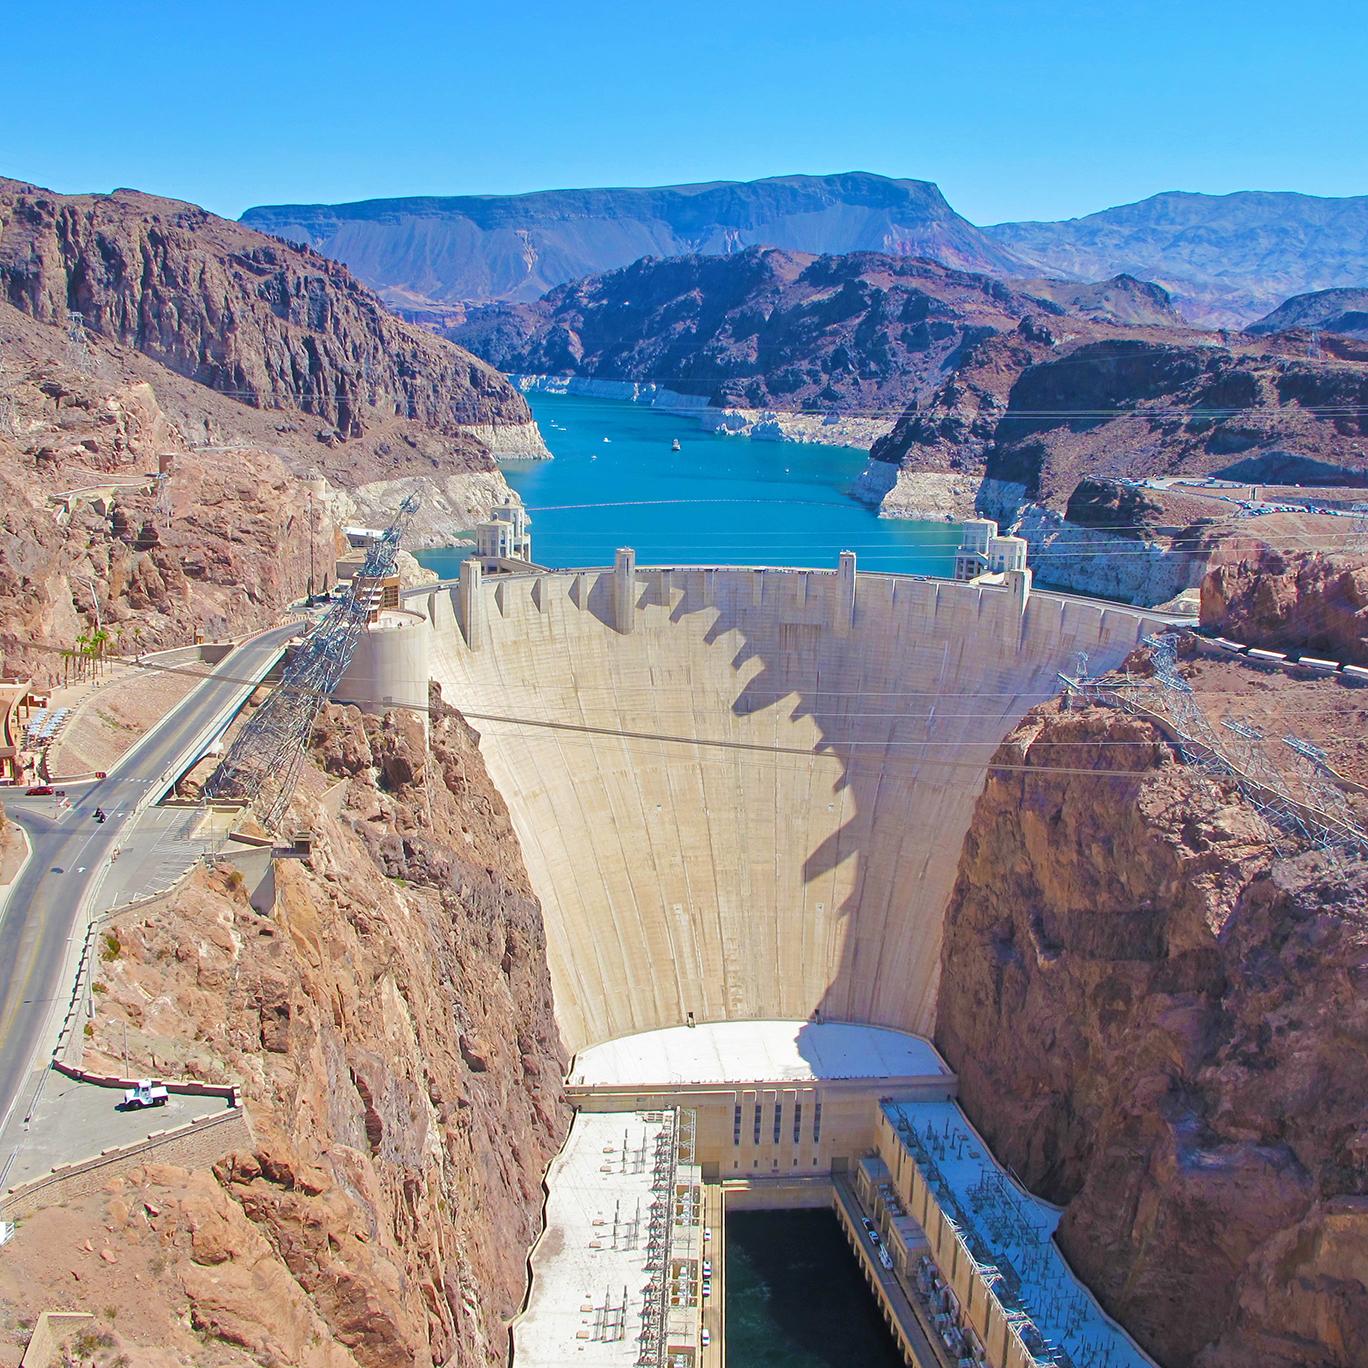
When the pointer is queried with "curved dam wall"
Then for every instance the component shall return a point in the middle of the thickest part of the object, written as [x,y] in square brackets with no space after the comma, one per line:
[778,830]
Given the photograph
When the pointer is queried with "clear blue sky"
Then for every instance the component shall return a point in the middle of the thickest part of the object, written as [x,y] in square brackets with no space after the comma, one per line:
[1017,108]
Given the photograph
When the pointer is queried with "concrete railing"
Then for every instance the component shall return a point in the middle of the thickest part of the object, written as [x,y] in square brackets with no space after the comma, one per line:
[190,1087]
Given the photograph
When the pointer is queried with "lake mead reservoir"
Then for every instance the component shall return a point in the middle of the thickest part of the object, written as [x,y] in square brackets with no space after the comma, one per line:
[719,500]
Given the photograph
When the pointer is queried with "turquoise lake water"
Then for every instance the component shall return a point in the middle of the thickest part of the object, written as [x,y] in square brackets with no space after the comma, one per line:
[719,501]
[797,1299]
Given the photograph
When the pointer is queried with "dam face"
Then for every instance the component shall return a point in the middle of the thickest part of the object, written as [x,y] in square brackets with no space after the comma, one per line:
[751,800]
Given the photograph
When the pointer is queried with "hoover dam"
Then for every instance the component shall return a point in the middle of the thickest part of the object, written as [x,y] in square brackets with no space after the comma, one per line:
[741,796]
[741,793]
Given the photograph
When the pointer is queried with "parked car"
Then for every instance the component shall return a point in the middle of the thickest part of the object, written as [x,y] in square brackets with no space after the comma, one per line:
[145,1093]
[705,1338]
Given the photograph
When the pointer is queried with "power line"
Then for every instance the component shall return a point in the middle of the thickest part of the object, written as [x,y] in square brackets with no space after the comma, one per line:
[778,695]
[262,765]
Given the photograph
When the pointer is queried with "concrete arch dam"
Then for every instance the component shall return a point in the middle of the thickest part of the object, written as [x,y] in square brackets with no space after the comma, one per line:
[750,797]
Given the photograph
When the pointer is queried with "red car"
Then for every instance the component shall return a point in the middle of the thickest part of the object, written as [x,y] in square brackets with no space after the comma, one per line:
[40,791]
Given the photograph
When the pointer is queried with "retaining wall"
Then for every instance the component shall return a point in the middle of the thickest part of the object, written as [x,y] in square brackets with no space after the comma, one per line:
[195,1145]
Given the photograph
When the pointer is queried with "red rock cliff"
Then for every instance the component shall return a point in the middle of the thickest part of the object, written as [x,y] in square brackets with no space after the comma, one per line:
[1312,601]
[243,313]
[225,549]
[1161,1025]
[390,1021]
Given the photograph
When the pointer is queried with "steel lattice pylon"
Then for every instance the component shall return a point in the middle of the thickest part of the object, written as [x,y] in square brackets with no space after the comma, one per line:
[262,765]
[1323,821]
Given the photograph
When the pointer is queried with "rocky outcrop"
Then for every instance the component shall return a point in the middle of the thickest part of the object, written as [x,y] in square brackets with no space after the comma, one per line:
[273,325]
[1180,409]
[951,430]
[1160,1024]
[1066,440]
[89,539]
[1336,311]
[1123,300]
[389,1018]
[779,343]
[1312,601]
[762,329]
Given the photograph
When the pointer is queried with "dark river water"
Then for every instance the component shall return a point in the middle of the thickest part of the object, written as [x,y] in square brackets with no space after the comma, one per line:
[796,1297]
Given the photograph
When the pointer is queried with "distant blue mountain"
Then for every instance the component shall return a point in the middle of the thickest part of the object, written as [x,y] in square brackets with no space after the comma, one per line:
[418,252]
[1226,259]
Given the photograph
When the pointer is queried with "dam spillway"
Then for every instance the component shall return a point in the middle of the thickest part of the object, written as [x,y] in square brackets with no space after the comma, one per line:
[741,793]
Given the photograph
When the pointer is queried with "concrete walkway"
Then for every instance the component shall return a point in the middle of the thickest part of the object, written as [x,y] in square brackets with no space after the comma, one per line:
[890,1291]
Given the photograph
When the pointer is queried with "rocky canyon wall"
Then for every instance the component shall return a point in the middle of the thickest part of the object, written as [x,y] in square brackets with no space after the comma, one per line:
[87,539]
[1160,1023]
[1312,601]
[237,311]
[1060,429]
[389,1019]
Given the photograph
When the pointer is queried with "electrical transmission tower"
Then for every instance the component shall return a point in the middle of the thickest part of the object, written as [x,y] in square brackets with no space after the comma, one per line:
[262,765]
[81,356]
[1322,820]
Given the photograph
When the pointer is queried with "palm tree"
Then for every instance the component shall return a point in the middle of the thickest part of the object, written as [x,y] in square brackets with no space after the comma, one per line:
[85,646]
[99,639]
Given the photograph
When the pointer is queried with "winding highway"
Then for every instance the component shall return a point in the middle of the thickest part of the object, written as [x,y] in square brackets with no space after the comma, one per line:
[69,874]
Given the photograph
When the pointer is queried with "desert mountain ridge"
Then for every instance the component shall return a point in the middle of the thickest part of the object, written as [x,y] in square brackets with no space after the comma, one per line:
[1226,259]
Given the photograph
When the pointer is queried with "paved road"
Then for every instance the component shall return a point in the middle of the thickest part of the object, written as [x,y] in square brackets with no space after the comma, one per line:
[44,916]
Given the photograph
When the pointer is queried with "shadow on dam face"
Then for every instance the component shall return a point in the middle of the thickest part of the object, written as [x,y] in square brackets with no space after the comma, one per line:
[751,802]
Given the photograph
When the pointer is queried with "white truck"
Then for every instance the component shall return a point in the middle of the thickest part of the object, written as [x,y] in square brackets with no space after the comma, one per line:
[145,1093]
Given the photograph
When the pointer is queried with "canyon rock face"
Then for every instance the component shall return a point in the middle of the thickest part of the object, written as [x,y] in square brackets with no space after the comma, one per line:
[87,538]
[389,1018]
[1049,436]
[1310,601]
[1181,409]
[247,315]
[1161,1024]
